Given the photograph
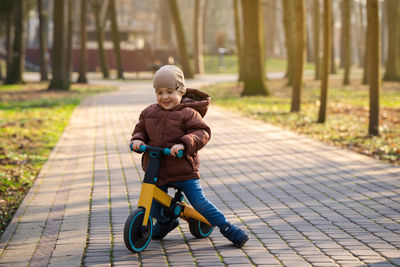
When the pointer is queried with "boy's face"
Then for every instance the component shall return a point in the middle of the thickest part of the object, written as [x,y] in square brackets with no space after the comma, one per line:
[168,98]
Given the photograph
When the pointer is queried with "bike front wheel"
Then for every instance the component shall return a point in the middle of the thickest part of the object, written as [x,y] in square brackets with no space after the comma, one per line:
[136,236]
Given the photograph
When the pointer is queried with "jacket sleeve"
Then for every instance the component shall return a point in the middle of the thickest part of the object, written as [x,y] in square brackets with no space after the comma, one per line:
[197,132]
[140,132]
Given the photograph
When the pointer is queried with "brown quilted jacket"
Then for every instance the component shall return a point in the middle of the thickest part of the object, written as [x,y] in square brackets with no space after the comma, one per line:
[182,125]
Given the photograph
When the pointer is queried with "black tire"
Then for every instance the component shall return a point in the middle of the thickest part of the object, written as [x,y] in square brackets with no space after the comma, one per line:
[199,229]
[136,236]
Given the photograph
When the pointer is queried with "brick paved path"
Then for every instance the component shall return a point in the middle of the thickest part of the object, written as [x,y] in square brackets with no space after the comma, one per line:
[303,203]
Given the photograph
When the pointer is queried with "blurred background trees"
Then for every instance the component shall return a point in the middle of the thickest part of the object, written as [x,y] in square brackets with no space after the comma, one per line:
[65,39]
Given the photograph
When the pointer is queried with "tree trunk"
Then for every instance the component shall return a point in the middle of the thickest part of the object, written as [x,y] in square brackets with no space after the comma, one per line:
[180,35]
[115,37]
[83,54]
[239,41]
[333,64]
[288,14]
[70,32]
[346,40]
[43,15]
[17,66]
[100,38]
[300,51]
[393,56]
[365,78]
[198,37]
[373,65]
[316,24]
[327,42]
[165,24]
[9,41]
[60,79]
[361,43]
[254,74]
[270,24]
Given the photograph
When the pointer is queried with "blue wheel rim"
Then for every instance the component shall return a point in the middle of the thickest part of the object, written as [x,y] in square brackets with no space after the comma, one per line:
[201,232]
[130,233]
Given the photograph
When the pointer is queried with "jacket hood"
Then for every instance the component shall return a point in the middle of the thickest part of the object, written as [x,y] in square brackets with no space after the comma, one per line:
[196,99]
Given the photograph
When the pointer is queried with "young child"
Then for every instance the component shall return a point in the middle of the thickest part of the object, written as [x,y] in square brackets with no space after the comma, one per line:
[176,122]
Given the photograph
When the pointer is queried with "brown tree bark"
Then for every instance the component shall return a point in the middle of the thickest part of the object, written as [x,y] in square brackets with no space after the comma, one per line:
[198,37]
[392,72]
[115,37]
[180,35]
[239,41]
[346,40]
[365,78]
[316,37]
[288,14]
[373,65]
[254,74]
[17,66]
[332,61]
[96,6]
[300,52]
[60,80]
[70,34]
[9,41]
[83,53]
[43,18]
[327,42]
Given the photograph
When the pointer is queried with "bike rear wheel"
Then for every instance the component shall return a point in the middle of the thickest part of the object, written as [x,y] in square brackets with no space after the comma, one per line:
[199,229]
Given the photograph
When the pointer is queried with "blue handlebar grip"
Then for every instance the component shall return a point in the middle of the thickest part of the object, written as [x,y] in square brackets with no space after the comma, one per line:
[167,151]
[142,148]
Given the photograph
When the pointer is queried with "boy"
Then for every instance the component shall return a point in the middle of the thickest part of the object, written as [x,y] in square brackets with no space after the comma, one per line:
[176,122]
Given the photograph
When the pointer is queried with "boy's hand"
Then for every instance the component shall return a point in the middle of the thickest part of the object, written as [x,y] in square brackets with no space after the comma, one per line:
[175,149]
[136,144]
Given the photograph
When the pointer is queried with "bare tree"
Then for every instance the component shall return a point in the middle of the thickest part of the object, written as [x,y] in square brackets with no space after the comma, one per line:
[300,51]
[60,80]
[333,69]
[184,56]
[17,65]
[83,54]
[365,78]
[43,17]
[99,17]
[7,14]
[393,52]
[198,37]
[325,59]
[115,37]
[346,59]
[288,22]
[316,37]
[254,74]
[239,41]
[373,65]
[70,35]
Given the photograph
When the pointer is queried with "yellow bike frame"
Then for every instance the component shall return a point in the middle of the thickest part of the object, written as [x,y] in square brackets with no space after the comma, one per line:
[150,191]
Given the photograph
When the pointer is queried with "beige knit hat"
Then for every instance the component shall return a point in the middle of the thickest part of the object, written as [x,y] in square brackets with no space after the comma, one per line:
[170,76]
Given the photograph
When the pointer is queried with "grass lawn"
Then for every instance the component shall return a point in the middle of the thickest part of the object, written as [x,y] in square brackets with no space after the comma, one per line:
[347,113]
[212,64]
[31,121]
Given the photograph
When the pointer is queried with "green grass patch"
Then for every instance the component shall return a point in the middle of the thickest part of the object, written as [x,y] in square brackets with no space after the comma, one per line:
[32,120]
[347,113]
[229,64]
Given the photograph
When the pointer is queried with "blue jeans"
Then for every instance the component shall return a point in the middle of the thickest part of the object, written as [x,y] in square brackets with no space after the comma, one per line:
[194,193]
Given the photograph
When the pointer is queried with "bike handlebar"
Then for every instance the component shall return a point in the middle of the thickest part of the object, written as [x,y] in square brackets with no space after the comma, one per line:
[165,151]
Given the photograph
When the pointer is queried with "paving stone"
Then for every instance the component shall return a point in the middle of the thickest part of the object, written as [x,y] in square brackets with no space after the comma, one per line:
[303,203]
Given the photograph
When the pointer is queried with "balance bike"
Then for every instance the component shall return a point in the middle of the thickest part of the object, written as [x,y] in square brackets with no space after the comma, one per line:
[139,225]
